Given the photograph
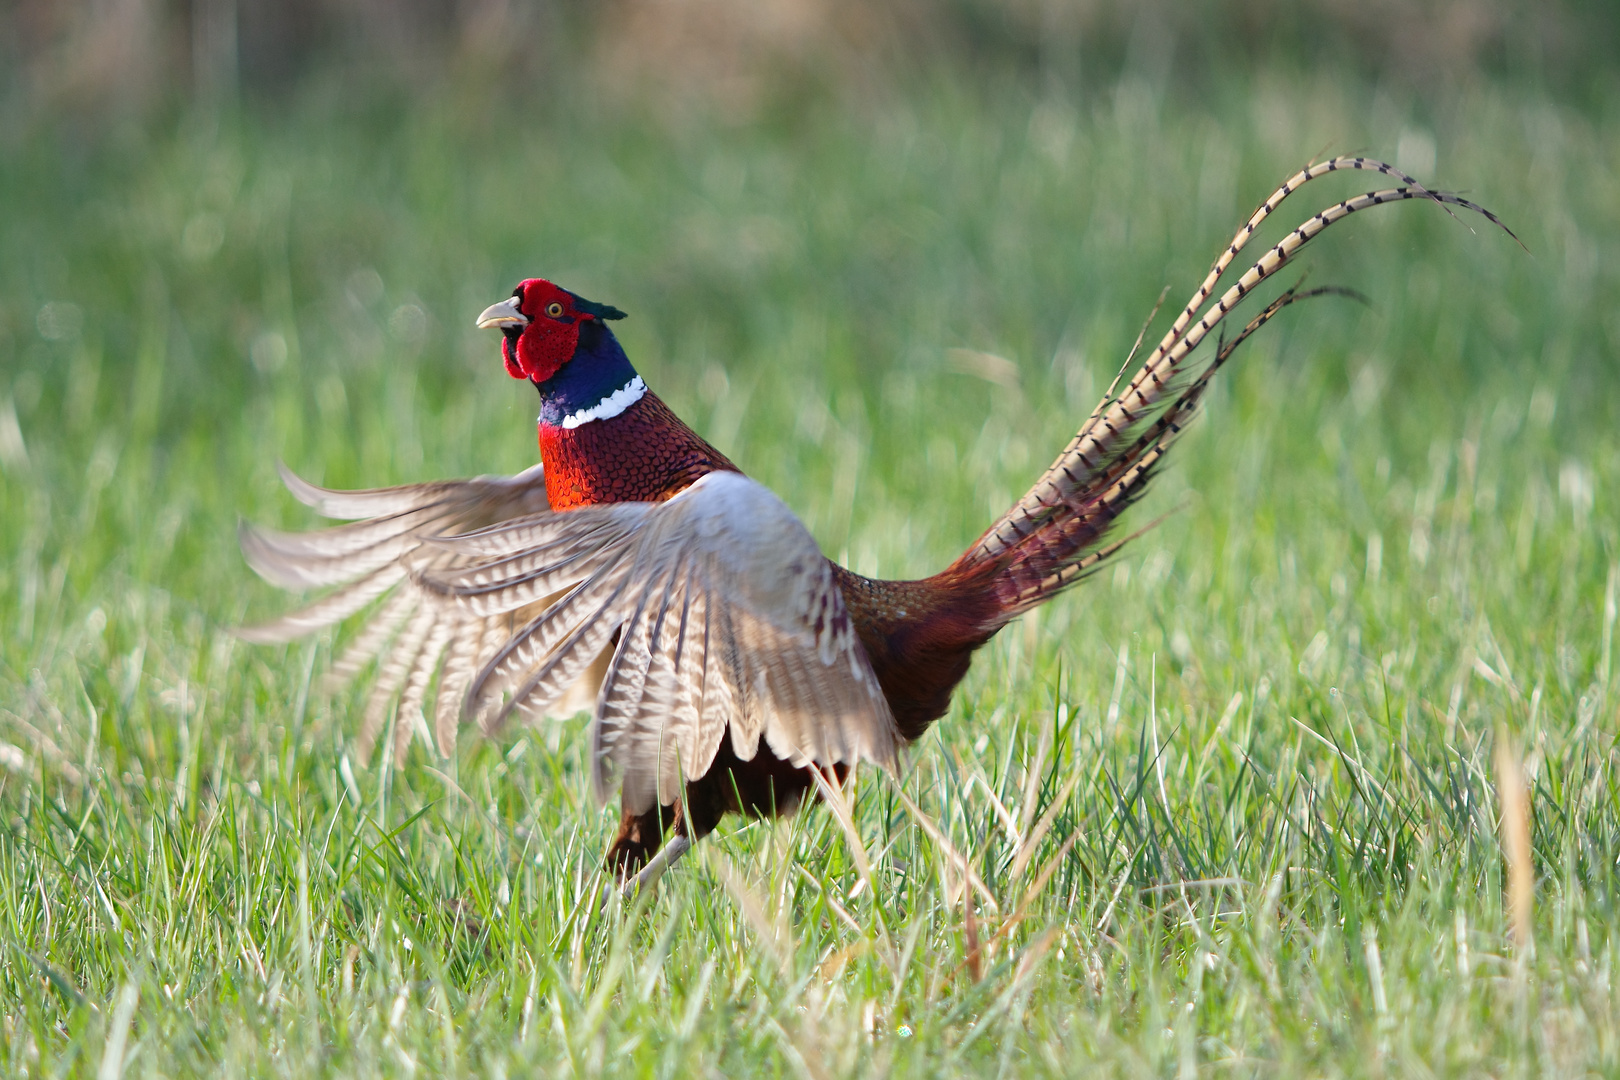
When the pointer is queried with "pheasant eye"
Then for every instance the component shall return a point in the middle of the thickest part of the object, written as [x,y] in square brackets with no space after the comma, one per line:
[554,310]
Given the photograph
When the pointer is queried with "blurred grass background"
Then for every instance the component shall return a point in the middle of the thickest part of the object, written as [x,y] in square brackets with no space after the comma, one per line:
[888,261]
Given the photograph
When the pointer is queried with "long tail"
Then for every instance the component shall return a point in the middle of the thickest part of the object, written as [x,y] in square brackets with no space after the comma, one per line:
[1060,530]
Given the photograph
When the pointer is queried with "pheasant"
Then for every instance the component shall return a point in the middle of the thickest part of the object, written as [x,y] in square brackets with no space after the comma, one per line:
[636,571]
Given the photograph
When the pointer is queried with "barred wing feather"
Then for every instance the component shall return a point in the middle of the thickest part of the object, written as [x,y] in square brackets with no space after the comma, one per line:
[729,623]
[413,634]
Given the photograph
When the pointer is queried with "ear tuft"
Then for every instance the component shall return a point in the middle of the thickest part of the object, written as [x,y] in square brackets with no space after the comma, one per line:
[591,307]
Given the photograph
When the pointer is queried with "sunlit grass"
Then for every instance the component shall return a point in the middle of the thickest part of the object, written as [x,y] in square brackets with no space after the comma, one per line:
[1261,744]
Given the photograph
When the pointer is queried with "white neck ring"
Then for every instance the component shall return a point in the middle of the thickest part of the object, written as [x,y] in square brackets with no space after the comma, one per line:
[610,406]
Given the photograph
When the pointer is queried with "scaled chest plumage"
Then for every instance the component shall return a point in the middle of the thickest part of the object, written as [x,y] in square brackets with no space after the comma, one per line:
[643,454]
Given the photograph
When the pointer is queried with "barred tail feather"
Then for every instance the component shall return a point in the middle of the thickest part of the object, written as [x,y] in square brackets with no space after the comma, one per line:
[1065,546]
[1055,534]
[1113,425]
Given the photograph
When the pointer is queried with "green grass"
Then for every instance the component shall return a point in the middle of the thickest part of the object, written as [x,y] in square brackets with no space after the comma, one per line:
[1268,730]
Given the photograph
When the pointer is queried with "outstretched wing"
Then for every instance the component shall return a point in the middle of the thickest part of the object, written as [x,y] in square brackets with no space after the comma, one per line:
[723,617]
[412,633]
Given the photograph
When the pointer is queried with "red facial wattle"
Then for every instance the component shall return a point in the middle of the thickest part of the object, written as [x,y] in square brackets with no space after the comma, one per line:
[544,346]
[549,340]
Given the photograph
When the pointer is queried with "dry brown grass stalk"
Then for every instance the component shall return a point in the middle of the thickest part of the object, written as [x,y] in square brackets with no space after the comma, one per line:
[1513,795]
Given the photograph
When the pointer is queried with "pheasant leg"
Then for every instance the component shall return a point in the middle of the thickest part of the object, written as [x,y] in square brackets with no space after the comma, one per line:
[667,856]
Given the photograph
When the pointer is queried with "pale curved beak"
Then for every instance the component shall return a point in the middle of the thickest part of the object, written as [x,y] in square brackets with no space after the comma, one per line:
[502,315]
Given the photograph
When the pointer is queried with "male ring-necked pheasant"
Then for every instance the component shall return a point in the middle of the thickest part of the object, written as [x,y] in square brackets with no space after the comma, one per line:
[636,567]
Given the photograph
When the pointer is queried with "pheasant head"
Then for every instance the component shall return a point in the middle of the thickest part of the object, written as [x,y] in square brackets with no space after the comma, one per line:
[542,323]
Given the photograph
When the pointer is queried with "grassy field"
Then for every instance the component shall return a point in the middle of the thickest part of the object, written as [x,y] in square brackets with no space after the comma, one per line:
[1230,808]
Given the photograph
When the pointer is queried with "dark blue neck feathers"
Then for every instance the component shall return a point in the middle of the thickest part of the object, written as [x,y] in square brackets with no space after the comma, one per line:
[597,371]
